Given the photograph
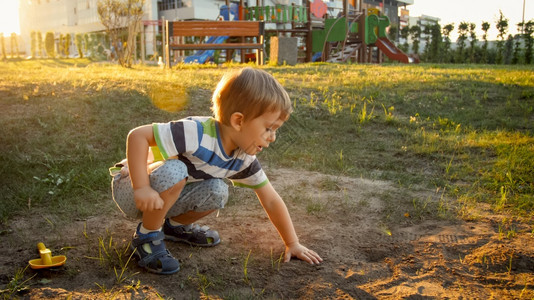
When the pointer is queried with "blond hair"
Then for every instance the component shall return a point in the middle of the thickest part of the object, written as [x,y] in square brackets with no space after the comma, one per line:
[251,92]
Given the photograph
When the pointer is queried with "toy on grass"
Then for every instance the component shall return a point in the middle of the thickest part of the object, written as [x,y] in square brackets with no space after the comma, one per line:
[47,260]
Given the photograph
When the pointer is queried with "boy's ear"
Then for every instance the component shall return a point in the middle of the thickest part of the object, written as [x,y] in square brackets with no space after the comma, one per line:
[236,121]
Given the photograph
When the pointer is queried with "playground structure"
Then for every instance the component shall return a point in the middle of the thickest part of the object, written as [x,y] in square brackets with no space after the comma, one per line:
[356,35]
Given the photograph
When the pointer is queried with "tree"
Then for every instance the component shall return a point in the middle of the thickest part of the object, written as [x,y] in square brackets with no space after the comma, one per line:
[462,38]
[33,43]
[92,44]
[86,43]
[405,34]
[415,32]
[60,45]
[40,43]
[118,16]
[50,44]
[66,46]
[99,42]
[426,49]
[472,42]
[516,56]
[508,50]
[79,44]
[393,32]
[3,42]
[528,30]
[485,28]
[447,29]
[436,44]
[502,27]
[14,45]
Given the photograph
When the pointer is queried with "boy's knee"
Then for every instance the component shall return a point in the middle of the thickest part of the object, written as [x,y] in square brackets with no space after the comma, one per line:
[216,197]
[168,176]
[220,193]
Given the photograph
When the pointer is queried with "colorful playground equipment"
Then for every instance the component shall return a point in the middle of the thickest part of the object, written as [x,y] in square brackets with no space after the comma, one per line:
[203,56]
[375,34]
[277,14]
[353,35]
[356,36]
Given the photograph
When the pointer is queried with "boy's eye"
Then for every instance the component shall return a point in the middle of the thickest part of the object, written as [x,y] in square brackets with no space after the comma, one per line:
[270,130]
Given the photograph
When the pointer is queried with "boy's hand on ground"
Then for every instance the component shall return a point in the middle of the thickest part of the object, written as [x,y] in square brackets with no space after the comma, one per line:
[302,253]
[147,199]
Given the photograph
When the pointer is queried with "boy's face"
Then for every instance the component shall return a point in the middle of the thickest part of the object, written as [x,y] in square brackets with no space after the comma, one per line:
[258,133]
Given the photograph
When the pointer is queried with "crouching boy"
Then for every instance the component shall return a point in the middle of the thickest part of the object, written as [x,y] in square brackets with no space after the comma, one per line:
[249,105]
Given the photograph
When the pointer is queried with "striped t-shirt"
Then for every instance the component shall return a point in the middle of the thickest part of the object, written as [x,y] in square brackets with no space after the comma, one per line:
[197,143]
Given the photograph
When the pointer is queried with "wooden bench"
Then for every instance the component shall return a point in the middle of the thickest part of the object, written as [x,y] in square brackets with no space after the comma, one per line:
[245,31]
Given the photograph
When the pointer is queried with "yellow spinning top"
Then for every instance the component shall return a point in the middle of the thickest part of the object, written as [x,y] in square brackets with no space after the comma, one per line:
[46,260]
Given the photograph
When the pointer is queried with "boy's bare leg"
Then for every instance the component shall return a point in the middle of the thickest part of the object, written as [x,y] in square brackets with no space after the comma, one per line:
[153,220]
[191,216]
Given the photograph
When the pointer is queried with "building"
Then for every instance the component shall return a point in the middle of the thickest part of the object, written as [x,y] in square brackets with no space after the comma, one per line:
[404,18]
[189,9]
[424,22]
[68,16]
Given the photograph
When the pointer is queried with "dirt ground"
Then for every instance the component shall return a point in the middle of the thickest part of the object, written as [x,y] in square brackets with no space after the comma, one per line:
[347,221]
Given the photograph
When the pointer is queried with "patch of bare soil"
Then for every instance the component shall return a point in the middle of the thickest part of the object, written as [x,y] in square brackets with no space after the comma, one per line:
[347,221]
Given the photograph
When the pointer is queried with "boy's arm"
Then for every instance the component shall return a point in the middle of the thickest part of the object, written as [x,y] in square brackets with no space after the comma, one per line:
[137,145]
[277,211]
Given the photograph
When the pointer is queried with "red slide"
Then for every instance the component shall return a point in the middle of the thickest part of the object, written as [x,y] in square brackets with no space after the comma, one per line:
[393,52]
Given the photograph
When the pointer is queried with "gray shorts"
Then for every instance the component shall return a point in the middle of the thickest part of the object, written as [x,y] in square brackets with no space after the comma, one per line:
[198,196]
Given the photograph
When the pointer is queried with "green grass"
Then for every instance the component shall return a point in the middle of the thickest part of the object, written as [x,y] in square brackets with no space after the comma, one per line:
[17,284]
[466,129]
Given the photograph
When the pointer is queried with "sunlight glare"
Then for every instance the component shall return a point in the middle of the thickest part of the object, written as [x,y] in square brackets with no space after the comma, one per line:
[168,99]
[9,16]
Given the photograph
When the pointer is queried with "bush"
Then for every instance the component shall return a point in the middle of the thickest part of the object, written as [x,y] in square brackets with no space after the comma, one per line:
[79,44]
[3,42]
[14,45]
[67,44]
[86,43]
[50,44]
[40,43]
[33,36]
[60,45]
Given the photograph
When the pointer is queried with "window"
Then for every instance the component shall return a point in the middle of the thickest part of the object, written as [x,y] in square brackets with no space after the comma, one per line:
[169,4]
